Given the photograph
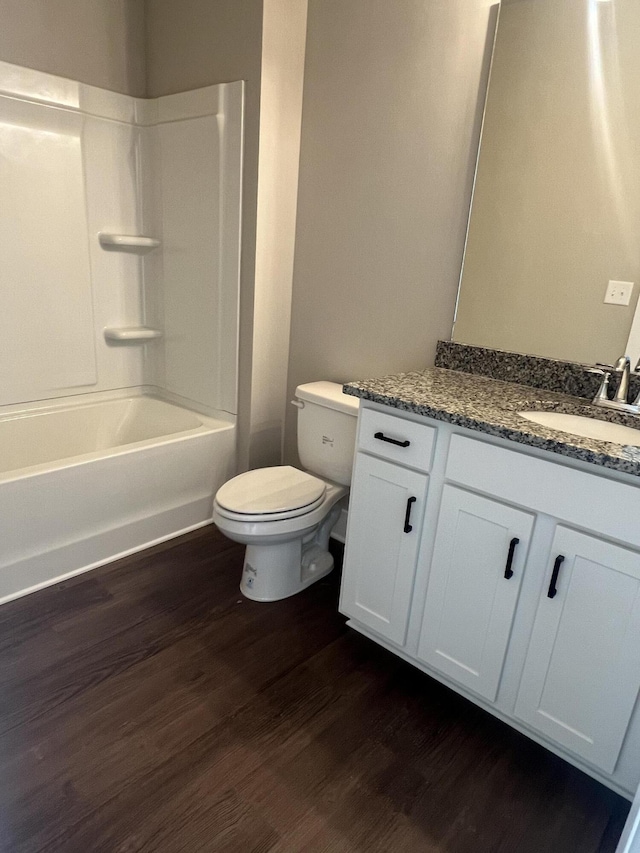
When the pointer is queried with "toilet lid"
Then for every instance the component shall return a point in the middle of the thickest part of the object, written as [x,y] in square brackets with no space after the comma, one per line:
[270,490]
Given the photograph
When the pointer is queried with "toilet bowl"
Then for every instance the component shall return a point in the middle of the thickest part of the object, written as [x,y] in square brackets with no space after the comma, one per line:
[285,515]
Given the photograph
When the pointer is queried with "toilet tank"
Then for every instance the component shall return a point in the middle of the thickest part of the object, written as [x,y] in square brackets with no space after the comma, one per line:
[327,421]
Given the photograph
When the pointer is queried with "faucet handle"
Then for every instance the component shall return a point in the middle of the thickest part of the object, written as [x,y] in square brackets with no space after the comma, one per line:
[603,391]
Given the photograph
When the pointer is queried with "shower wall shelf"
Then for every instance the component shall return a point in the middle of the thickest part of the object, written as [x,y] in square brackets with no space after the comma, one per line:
[127,243]
[132,334]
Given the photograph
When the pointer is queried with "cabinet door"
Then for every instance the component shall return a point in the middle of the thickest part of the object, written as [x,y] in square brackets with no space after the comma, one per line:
[385,517]
[475,578]
[582,671]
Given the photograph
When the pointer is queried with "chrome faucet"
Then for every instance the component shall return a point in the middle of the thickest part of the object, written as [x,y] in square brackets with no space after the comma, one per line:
[621,398]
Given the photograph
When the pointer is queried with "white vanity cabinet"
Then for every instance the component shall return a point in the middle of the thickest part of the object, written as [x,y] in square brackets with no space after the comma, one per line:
[519,584]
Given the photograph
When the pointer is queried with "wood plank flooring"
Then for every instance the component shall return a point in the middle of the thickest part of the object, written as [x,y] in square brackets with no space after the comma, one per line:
[147,706]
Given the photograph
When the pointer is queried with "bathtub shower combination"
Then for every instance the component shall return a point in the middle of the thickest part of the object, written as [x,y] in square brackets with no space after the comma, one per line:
[119,245]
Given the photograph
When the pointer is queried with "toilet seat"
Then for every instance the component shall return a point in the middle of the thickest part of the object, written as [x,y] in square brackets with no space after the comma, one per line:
[270,494]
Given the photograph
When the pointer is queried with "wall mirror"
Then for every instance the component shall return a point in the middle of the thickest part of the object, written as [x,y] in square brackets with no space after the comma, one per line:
[556,207]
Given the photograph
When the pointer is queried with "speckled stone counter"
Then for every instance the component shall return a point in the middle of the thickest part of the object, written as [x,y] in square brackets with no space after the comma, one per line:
[491,406]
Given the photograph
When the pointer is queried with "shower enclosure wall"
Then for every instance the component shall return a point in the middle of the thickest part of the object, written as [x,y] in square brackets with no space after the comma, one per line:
[119,273]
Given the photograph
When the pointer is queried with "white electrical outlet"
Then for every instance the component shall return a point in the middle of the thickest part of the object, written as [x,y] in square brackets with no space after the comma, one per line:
[618,292]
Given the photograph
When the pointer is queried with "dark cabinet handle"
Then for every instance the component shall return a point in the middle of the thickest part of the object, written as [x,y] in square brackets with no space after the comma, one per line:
[407,516]
[551,593]
[382,437]
[508,571]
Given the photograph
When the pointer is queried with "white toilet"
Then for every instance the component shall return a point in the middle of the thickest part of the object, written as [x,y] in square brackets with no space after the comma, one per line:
[284,515]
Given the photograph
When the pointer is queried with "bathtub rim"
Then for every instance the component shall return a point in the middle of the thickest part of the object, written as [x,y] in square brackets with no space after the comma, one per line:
[89,398]
[210,424]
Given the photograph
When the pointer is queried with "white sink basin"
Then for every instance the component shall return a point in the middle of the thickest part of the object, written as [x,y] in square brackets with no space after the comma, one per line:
[586,427]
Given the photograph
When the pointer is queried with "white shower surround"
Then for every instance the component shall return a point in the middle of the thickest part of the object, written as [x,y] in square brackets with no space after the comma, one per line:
[103,450]
[76,161]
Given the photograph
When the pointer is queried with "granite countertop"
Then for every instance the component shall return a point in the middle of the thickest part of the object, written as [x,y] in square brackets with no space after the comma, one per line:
[491,406]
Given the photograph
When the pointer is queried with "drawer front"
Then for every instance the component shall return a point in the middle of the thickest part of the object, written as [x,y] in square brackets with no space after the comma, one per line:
[396,439]
[589,500]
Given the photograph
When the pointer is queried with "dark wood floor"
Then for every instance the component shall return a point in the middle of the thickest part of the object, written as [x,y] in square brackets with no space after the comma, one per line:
[147,706]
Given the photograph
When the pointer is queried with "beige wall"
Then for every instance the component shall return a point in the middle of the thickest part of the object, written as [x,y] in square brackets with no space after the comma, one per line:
[99,42]
[389,135]
[193,43]
[283,45]
[556,212]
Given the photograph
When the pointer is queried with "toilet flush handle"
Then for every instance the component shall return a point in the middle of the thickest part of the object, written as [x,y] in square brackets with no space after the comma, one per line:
[298,404]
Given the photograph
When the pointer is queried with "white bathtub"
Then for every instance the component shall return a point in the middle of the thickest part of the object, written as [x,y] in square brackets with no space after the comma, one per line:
[85,484]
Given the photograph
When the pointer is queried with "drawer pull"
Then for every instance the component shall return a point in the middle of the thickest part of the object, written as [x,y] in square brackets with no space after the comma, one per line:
[407,516]
[382,437]
[554,576]
[508,571]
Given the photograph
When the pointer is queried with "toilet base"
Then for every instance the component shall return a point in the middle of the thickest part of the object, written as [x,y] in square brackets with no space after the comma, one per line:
[273,572]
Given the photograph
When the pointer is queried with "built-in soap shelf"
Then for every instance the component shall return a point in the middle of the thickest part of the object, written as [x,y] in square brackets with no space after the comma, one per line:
[127,243]
[132,334]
